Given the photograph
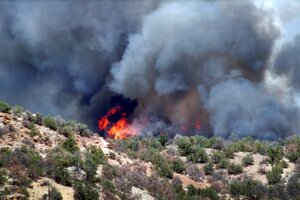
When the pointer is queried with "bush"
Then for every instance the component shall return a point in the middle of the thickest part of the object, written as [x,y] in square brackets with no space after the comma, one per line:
[229,151]
[185,146]
[17,110]
[198,155]
[293,185]
[274,176]
[208,168]
[235,169]
[248,187]
[34,131]
[216,157]
[4,107]
[223,164]
[70,145]
[50,123]
[247,160]
[2,177]
[177,165]
[163,139]
[66,131]
[53,194]
[108,185]
[39,119]
[85,192]
[275,153]
[194,172]
[164,169]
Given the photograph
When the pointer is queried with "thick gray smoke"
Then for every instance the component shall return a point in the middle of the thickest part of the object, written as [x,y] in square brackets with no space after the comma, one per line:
[55,56]
[184,61]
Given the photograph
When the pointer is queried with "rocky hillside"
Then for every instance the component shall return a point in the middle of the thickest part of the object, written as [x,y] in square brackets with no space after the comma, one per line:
[42,157]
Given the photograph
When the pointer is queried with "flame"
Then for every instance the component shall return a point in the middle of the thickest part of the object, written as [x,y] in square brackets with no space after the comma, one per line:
[118,130]
[198,125]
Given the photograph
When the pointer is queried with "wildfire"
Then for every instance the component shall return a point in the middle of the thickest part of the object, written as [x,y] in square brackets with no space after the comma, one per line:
[117,130]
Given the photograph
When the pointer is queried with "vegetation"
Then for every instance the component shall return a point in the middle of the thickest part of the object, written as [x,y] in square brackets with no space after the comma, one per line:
[4,107]
[50,123]
[247,160]
[274,176]
[235,168]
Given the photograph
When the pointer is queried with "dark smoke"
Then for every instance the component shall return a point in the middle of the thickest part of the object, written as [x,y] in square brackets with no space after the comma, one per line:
[183,61]
[55,56]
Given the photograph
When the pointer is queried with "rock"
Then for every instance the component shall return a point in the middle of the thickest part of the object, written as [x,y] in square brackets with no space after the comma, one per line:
[77,173]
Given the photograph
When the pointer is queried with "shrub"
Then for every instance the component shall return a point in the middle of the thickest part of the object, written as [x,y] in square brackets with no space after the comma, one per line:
[66,131]
[90,167]
[50,123]
[39,119]
[248,187]
[83,130]
[2,177]
[194,172]
[247,160]
[85,191]
[108,185]
[70,145]
[163,139]
[208,168]
[164,169]
[17,110]
[54,194]
[97,155]
[274,176]
[223,164]
[4,107]
[185,146]
[229,151]
[275,153]
[177,165]
[235,169]
[198,155]
[293,185]
[216,157]
[34,131]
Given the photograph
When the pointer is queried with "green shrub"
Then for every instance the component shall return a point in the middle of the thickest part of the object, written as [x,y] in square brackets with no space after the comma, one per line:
[70,145]
[83,130]
[216,157]
[97,155]
[4,107]
[247,160]
[275,153]
[229,151]
[24,192]
[185,146]
[50,123]
[66,131]
[3,178]
[90,167]
[293,185]
[235,168]
[248,187]
[178,166]
[85,192]
[208,168]
[34,131]
[223,164]
[17,110]
[164,169]
[54,194]
[108,185]
[163,139]
[274,176]
[39,119]
[198,155]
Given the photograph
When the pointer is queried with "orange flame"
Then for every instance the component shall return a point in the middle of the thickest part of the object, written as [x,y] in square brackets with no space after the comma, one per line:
[119,130]
[198,125]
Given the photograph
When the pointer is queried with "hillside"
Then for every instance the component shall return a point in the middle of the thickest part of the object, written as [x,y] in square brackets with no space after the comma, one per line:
[49,158]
